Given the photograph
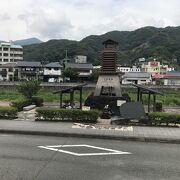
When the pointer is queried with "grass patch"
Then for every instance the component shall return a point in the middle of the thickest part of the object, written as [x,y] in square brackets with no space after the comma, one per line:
[10,95]
[170,98]
[47,95]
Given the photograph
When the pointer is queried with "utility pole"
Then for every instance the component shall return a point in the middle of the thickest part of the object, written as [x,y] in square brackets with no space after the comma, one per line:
[66,53]
[13,67]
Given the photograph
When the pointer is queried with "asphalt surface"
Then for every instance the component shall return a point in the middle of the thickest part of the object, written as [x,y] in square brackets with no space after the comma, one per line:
[21,158]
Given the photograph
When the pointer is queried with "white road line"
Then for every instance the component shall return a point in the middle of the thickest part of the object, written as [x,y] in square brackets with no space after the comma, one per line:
[102,154]
[56,148]
[76,145]
[59,150]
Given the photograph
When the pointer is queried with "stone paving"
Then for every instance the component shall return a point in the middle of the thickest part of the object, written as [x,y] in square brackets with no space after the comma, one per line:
[138,133]
[27,115]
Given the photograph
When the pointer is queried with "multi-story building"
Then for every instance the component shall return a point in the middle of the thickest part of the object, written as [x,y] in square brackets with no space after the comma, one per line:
[155,67]
[53,72]
[29,70]
[9,72]
[10,52]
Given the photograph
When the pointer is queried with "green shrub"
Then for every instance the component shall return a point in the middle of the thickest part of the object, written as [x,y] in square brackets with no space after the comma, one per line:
[177,119]
[157,118]
[8,112]
[74,115]
[20,104]
[29,88]
[176,102]
[38,101]
[158,106]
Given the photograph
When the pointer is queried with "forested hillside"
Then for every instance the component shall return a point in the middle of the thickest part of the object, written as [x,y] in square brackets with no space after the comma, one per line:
[149,42]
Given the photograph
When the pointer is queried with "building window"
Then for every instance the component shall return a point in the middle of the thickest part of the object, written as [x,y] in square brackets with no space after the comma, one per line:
[5,60]
[10,69]
[5,54]
[5,49]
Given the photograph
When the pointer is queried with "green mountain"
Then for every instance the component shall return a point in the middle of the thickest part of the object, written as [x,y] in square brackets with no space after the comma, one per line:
[148,42]
[28,41]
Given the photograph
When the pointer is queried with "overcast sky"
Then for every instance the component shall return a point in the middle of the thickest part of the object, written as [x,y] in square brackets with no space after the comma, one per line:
[76,19]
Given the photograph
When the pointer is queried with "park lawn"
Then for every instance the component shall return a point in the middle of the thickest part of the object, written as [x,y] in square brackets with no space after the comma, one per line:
[9,95]
[170,98]
[47,95]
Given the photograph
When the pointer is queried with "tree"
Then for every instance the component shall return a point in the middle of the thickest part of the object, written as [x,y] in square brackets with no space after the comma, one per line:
[95,75]
[29,88]
[70,73]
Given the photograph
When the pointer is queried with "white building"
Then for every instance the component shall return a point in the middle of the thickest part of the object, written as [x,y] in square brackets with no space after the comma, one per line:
[172,78]
[10,52]
[135,69]
[84,69]
[137,78]
[128,69]
[155,67]
[53,72]
[80,59]
[97,67]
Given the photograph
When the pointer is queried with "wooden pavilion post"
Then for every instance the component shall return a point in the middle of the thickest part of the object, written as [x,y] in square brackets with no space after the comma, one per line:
[60,95]
[140,98]
[149,101]
[154,102]
[71,97]
[80,98]
[138,93]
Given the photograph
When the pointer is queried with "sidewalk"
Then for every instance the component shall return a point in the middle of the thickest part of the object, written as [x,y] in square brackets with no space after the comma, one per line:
[135,133]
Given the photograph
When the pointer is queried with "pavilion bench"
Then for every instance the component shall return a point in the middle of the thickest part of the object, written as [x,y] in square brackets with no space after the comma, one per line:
[28,108]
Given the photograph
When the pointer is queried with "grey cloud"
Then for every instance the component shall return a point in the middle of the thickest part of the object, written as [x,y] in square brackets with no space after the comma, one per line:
[76,19]
[47,25]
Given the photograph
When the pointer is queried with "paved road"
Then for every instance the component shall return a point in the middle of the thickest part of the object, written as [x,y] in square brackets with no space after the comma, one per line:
[22,159]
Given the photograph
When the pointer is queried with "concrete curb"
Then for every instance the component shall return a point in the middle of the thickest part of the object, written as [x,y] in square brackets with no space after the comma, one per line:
[97,136]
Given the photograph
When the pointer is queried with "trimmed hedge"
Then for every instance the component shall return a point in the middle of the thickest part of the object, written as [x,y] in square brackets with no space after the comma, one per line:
[8,112]
[38,101]
[74,115]
[158,118]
